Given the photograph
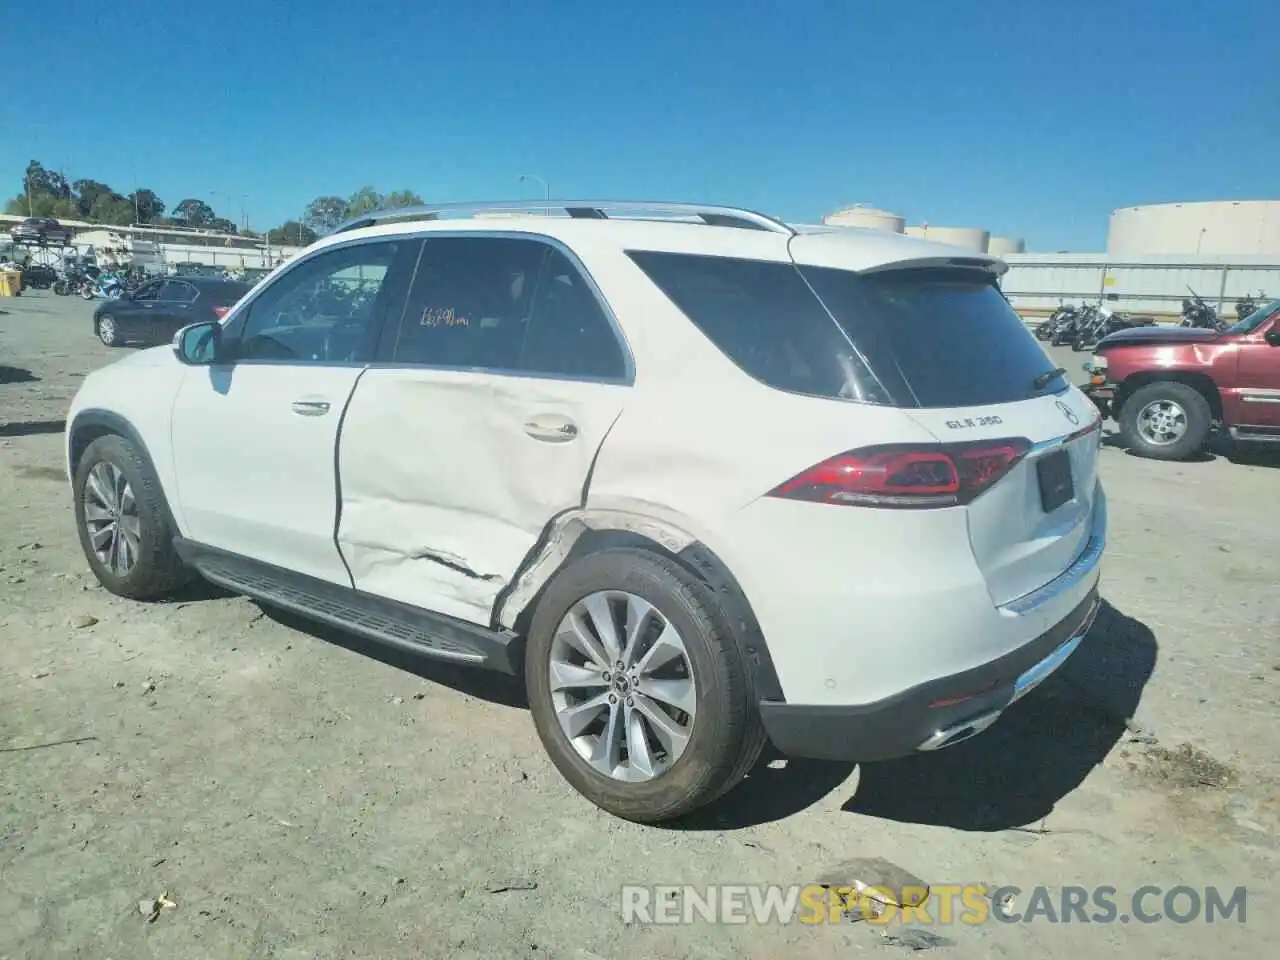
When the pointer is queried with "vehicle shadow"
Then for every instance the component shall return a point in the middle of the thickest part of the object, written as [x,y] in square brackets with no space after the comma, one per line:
[1220,446]
[16,374]
[1043,748]
[1010,776]
[30,428]
[482,684]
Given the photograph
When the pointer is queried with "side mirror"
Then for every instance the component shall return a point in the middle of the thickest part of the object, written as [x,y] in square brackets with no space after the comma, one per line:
[199,344]
[1273,335]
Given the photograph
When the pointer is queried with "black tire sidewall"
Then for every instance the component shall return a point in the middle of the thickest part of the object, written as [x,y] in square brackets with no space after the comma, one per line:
[724,709]
[1196,407]
[151,574]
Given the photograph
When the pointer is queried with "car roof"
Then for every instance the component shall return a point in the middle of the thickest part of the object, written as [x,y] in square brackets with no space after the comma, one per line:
[211,283]
[847,248]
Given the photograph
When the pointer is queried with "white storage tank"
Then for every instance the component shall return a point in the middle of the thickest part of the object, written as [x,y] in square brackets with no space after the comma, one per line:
[1001,246]
[1218,228]
[866,218]
[970,238]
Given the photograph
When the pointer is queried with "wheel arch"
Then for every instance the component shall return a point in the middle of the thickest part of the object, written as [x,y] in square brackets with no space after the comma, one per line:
[1202,383]
[580,533]
[92,424]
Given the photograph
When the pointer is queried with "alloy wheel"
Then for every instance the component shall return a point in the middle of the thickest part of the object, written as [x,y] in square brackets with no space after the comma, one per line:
[1162,422]
[107,329]
[111,518]
[622,685]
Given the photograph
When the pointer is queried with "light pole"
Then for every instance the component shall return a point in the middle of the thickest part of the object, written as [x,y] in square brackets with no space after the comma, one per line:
[546,187]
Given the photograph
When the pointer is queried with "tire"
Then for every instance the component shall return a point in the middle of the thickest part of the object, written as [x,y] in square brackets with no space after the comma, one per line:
[1178,403]
[107,330]
[155,571]
[726,735]
[1043,332]
[86,291]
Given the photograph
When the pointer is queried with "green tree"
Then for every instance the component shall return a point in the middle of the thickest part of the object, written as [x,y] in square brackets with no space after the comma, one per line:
[222,225]
[87,193]
[149,207]
[111,208]
[365,200]
[400,198]
[325,213]
[292,233]
[194,213]
[38,181]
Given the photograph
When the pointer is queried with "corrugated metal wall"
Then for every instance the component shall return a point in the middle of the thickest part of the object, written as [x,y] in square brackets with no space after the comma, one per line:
[1037,283]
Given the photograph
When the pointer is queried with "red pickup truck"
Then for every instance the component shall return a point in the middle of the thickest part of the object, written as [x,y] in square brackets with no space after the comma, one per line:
[1168,386]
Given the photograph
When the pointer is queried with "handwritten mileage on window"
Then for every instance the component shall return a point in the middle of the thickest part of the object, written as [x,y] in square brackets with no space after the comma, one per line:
[443,317]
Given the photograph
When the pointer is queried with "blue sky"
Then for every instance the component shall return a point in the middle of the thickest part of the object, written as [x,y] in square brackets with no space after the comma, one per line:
[1033,118]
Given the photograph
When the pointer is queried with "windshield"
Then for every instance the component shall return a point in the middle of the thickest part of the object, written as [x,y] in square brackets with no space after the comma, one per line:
[1254,320]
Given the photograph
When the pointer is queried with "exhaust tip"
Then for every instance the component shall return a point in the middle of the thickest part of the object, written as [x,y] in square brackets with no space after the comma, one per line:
[956,733]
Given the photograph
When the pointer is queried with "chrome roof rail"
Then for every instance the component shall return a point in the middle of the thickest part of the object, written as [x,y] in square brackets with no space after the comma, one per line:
[579,209]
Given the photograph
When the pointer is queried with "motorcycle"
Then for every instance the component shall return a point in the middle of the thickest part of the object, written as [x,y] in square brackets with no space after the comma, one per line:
[1102,324]
[1063,314]
[1249,306]
[1067,326]
[107,285]
[1197,313]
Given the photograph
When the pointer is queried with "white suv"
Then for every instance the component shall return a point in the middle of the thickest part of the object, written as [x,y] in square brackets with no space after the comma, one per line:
[703,477]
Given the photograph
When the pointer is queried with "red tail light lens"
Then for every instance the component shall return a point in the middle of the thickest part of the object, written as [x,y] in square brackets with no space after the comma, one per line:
[221,312]
[907,476]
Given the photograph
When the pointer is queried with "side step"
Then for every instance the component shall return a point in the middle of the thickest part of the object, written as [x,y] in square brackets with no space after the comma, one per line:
[1255,434]
[377,618]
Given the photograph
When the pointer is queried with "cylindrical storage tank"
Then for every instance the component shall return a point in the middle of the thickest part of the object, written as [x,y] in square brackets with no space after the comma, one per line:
[1000,246]
[1219,227]
[970,238]
[921,232]
[866,218]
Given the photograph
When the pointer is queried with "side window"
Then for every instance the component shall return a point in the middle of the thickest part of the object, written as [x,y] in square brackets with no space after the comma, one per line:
[176,291]
[569,334]
[326,309]
[148,291]
[470,302]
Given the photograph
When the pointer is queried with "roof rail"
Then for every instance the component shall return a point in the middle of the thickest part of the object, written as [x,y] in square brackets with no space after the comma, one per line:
[579,209]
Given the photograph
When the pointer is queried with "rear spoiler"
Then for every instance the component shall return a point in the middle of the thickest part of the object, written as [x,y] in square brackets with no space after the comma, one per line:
[996,268]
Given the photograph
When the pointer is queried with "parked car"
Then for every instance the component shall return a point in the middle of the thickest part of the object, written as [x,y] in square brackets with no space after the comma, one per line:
[42,230]
[1168,386]
[153,312]
[698,482]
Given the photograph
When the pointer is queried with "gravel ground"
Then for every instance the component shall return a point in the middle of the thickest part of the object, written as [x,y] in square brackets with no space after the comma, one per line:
[298,793]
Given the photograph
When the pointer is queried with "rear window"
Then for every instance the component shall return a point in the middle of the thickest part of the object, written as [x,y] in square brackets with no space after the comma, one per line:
[909,338]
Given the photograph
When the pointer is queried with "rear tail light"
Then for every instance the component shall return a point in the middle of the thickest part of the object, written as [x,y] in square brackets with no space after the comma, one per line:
[907,476]
[221,312]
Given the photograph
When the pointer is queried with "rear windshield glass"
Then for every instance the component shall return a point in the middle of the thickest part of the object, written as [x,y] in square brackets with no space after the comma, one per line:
[954,337]
[909,338]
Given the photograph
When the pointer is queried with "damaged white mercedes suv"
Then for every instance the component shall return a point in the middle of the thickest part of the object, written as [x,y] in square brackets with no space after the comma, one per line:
[703,478]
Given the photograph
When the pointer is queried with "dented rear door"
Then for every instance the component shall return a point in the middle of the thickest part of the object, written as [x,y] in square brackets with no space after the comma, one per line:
[479,425]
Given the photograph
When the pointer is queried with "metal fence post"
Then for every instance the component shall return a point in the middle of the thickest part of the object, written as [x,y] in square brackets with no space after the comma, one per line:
[1222,288]
[1102,286]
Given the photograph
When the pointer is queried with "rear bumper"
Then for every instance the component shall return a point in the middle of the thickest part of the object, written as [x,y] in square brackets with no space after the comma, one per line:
[932,715]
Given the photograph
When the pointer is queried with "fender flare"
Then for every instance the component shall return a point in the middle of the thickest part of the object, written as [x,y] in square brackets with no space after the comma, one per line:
[90,424]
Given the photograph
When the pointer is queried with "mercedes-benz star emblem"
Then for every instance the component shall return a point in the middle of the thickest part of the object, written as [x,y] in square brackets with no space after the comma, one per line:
[1068,412]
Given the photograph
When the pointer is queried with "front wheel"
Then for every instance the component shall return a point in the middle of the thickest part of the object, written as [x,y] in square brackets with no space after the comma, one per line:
[1166,420]
[637,687]
[86,291]
[123,522]
[108,333]
[60,288]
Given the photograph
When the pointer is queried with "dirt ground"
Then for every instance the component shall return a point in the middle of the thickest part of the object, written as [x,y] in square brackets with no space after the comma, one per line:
[299,793]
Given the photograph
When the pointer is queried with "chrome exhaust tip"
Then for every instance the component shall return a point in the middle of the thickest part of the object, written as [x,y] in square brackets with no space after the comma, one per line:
[949,736]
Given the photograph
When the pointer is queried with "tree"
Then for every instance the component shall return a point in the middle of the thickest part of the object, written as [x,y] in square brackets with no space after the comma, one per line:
[325,213]
[194,213]
[111,208]
[87,193]
[292,233]
[365,200]
[400,198]
[149,207]
[38,181]
[222,225]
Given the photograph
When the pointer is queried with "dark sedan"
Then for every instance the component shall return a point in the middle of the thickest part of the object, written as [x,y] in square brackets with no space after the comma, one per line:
[158,309]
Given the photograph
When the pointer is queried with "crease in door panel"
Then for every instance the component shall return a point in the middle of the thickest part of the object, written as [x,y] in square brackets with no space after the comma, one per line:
[455,562]
[337,474]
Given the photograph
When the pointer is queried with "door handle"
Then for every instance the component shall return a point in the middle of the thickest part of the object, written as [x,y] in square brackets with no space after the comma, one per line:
[311,408]
[551,429]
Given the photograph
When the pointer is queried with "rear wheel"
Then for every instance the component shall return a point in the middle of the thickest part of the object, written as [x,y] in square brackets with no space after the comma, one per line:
[637,687]
[123,522]
[1166,420]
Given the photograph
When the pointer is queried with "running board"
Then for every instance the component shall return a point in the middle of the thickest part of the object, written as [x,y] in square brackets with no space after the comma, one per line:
[377,618]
